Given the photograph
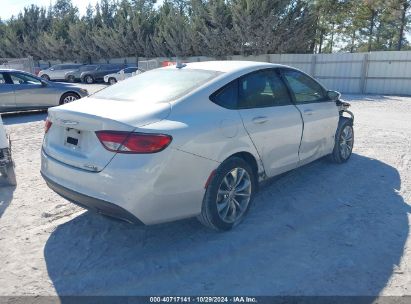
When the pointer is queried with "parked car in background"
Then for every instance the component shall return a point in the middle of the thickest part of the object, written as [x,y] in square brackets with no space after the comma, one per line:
[99,73]
[191,140]
[23,91]
[58,72]
[121,75]
[74,75]
[6,161]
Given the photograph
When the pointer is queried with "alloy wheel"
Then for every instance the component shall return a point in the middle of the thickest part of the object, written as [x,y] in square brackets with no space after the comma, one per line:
[234,195]
[346,142]
[69,98]
[89,79]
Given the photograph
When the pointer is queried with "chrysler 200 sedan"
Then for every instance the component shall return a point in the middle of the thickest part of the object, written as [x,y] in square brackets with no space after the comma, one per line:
[191,140]
[23,91]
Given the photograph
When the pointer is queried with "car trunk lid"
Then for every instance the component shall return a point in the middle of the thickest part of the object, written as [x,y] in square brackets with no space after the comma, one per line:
[72,140]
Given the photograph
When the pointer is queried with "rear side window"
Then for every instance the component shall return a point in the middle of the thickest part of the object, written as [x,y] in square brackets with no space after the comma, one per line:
[159,85]
[304,88]
[227,96]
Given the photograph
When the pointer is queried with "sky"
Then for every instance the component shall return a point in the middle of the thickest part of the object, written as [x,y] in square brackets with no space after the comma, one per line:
[13,7]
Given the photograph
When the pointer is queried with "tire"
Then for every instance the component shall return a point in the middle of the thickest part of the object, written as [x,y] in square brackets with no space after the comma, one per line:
[71,78]
[9,174]
[112,80]
[68,97]
[218,199]
[344,141]
[46,77]
[88,79]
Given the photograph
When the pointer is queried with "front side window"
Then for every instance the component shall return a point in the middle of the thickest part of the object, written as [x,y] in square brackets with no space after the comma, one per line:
[159,85]
[262,89]
[304,88]
[19,78]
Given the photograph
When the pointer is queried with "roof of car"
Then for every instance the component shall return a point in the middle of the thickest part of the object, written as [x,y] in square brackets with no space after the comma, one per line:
[9,70]
[226,66]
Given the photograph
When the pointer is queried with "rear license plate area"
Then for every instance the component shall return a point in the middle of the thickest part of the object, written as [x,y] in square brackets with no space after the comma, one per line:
[73,139]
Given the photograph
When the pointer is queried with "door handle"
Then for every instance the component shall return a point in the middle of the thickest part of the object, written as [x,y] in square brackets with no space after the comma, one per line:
[260,119]
[308,112]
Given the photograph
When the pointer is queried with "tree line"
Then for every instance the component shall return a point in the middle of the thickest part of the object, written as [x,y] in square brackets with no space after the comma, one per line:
[217,28]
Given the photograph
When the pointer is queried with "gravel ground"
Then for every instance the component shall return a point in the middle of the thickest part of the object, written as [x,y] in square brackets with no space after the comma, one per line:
[323,229]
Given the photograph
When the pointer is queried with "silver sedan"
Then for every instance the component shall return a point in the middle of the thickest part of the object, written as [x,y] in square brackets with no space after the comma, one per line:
[191,140]
[23,91]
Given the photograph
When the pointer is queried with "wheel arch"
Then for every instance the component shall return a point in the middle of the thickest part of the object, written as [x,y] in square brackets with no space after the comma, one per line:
[251,159]
[68,92]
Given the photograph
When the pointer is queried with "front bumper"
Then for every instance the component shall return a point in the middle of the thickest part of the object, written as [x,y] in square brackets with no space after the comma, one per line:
[91,203]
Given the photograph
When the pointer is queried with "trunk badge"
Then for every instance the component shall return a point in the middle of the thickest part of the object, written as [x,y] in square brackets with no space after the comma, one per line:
[91,167]
[68,122]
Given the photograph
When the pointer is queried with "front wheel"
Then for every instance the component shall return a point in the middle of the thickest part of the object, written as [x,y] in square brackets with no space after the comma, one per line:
[344,141]
[112,80]
[68,97]
[229,195]
[45,76]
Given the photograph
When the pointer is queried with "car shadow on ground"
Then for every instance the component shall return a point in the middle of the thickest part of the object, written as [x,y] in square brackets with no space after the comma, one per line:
[23,117]
[6,195]
[323,229]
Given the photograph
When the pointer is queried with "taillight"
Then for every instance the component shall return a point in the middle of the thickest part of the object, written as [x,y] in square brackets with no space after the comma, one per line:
[47,125]
[126,142]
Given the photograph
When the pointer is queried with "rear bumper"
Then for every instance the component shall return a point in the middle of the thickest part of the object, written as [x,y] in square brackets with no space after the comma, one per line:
[152,188]
[91,203]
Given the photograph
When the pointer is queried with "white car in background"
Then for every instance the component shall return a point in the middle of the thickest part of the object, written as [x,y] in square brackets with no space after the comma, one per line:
[58,71]
[121,75]
[6,162]
[191,140]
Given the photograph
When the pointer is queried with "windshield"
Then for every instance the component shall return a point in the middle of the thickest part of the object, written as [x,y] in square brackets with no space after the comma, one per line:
[156,86]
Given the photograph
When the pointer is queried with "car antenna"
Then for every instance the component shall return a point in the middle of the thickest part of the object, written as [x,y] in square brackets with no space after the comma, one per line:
[179,64]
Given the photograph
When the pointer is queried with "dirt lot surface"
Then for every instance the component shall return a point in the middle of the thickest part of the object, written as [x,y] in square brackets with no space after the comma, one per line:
[323,229]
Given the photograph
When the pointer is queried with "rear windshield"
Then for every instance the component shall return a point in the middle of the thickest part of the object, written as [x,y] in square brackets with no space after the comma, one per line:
[156,86]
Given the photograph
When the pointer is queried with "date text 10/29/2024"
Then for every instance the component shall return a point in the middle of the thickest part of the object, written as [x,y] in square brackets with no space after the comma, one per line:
[203,300]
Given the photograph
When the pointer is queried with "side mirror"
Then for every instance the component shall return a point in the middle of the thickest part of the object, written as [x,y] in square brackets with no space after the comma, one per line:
[333,95]
[51,69]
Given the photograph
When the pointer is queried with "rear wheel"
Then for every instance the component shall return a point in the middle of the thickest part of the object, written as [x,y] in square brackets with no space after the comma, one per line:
[112,80]
[229,195]
[344,141]
[71,78]
[45,76]
[68,97]
[89,79]
[8,172]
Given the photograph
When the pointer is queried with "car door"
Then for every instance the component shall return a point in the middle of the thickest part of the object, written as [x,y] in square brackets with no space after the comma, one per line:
[270,118]
[320,114]
[29,91]
[7,98]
